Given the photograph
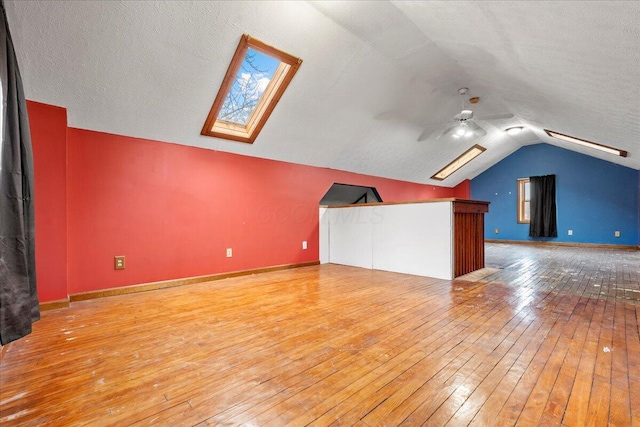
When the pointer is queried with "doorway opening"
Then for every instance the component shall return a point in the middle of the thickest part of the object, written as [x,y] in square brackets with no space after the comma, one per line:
[347,194]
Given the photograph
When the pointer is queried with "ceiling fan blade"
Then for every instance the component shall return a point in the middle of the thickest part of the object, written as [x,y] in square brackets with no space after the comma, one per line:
[477,130]
[495,116]
[426,132]
[450,129]
[387,115]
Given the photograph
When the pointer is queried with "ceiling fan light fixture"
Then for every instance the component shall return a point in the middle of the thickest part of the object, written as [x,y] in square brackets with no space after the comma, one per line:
[514,130]
[464,124]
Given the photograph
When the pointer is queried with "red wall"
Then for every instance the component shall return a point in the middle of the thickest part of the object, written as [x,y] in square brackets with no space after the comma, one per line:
[462,190]
[173,210]
[48,137]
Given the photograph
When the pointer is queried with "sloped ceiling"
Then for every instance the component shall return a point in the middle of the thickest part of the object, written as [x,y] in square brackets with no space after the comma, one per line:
[374,74]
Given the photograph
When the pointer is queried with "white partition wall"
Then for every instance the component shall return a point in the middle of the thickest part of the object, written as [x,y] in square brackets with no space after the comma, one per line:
[411,238]
[414,239]
[323,217]
[350,236]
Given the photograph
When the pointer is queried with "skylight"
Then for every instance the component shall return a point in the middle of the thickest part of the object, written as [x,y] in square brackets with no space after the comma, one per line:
[459,162]
[585,143]
[256,79]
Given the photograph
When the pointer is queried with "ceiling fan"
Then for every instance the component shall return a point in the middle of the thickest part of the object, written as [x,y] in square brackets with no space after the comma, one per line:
[463,125]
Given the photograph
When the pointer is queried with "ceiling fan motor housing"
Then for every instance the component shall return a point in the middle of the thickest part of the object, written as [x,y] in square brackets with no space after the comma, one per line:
[464,116]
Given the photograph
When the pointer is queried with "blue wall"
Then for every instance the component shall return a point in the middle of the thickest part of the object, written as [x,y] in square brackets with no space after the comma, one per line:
[594,197]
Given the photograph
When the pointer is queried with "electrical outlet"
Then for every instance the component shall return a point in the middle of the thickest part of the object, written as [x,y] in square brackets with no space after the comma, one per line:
[229,253]
[496,230]
[304,244]
[616,234]
[118,262]
[570,233]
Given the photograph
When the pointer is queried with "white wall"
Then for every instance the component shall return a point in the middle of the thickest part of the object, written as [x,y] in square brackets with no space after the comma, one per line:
[413,238]
[350,236]
[323,215]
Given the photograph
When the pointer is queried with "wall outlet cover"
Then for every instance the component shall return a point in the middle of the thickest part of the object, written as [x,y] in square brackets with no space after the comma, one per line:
[118,262]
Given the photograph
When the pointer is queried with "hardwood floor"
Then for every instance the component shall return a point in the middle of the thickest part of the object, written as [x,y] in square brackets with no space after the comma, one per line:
[550,338]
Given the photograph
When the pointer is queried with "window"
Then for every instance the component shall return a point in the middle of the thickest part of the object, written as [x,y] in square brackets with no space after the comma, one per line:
[459,162]
[585,143]
[524,201]
[256,79]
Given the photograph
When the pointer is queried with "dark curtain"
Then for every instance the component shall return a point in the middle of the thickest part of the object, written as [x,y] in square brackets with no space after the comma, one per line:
[543,206]
[19,306]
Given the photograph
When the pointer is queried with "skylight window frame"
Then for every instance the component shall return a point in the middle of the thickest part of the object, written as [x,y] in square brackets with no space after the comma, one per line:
[454,166]
[279,82]
[586,143]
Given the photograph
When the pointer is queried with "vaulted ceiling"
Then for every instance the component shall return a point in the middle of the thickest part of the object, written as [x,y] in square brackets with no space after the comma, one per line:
[375,73]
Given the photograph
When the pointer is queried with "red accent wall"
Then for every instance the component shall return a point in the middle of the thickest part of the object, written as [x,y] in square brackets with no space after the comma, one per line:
[48,125]
[172,210]
[462,190]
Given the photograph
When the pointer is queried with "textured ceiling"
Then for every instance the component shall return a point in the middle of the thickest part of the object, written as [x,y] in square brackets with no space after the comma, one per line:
[374,74]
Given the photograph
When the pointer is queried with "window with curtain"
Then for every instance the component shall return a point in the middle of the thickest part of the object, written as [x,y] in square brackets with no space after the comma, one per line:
[524,201]
[543,206]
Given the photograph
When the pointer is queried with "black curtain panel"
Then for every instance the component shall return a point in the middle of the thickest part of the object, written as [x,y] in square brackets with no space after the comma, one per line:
[19,306]
[543,206]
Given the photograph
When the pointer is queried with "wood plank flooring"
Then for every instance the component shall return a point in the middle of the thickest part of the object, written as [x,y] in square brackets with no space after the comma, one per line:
[550,338]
